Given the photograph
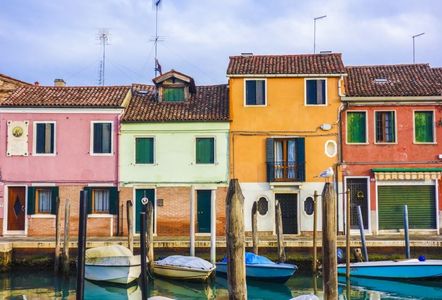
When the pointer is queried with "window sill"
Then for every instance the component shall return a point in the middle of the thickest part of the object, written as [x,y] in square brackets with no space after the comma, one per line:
[357,144]
[257,105]
[101,154]
[425,143]
[42,216]
[100,216]
[44,154]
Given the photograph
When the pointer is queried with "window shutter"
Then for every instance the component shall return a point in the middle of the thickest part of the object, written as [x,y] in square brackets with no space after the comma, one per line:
[250,92]
[144,150]
[113,201]
[300,158]
[89,199]
[205,148]
[40,138]
[270,157]
[356,127]
[54,192]
[98,138]
[423,122]
[393,130]
[31,200]
[311,92]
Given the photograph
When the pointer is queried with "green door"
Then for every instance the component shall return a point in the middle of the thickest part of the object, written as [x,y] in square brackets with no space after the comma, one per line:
[203,210]
[421,203]
[139,194]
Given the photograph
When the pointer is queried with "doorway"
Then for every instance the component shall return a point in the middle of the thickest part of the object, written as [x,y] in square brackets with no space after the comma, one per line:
[289,211]
[358,197]
[203,210]
[140,194]
[16,208]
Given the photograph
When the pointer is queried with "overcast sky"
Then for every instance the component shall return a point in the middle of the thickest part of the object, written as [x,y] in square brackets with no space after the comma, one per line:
[45,39]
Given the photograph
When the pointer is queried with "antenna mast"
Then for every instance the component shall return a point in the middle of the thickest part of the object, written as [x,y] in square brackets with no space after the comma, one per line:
[103,36]
[156,39]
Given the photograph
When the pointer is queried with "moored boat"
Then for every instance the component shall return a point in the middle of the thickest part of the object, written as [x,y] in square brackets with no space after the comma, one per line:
[184,268]
[395,269]
[262,268]
[114,264]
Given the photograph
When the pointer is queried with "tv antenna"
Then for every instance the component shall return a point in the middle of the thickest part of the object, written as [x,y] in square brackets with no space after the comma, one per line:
[103,37]
[156,38]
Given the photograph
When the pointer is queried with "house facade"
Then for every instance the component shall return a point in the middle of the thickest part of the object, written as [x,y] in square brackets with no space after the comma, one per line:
[174,152]
[57,141]
[284,112]
[391,146]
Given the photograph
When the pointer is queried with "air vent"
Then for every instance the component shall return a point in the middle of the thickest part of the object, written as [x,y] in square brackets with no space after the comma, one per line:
[381,80]
[247,54]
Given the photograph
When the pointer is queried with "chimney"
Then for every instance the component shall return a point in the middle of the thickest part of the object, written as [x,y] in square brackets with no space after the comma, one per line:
[59,82]
[246,54]
[37,83]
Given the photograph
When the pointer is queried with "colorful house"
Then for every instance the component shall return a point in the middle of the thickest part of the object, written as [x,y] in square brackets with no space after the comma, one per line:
[8,85]
[174,152]
[284,112]
[391,146]
[57,141]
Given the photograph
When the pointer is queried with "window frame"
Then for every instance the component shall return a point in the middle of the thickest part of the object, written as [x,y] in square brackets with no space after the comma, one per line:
[183,87]
[34,141]
[326,91]
[215,161]
[366,127]
[395,127]
[434,142]
[37,202]
[135,150]
[91,142]
[245,92]
[93,211]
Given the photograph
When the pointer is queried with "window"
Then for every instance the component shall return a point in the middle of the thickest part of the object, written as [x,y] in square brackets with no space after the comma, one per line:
[43,196]
[285,159]
[255,92]
[100,200]
[144,148]
[315,92]
[385,127]
[174,94]
[423,127]
[205,150]
[309,206]
[263,206]
[356,127]
[44,138]
[102,138]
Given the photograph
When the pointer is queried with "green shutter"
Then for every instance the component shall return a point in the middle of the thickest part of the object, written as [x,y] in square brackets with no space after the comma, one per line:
[421,206]
[300,158]
[144,148]
[356,127]
[270,159]
[31,200]
[173,94]
[423,126]
[392,126]
[113,201]
[54,195]
[89,199]
[205,150]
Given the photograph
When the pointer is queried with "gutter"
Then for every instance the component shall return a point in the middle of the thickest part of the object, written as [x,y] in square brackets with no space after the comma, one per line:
[285,75]
[391,98]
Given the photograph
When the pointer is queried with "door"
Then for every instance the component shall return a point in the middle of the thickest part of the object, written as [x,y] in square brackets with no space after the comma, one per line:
[421,202]
[204,206]
[140,194]
[16,208]
[358,197]
[289,211]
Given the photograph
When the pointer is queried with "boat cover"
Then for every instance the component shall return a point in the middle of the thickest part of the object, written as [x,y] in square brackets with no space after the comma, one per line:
[109,255]
[190,262]
[253,259]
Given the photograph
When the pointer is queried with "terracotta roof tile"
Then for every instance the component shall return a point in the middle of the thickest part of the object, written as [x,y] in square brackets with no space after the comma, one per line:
[286,64]
[209,103]
[391,80]
[86,96]
[11,79]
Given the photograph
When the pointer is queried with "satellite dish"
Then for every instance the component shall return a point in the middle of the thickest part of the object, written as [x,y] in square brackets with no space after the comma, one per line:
[144,200]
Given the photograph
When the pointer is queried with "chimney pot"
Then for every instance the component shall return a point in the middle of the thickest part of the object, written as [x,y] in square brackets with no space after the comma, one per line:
[36,83]
[59,82]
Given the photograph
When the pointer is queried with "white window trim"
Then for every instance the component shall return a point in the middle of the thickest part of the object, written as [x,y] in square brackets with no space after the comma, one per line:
[245,92]
[215,160]
[305,92]
[154,150]
[334,144]
[91,142]
[366,127]
[434,142]
[395,127]
[34,141]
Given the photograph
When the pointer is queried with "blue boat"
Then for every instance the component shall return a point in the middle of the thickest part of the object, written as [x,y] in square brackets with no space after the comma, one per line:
[261,268]
[395,269]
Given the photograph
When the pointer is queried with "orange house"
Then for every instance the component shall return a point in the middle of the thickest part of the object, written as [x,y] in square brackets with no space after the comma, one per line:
[284,112]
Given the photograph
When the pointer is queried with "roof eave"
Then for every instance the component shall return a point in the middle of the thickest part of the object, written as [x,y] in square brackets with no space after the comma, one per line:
[390,98]
[287,75]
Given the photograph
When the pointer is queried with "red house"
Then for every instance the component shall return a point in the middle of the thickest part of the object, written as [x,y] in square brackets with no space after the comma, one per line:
[391,146]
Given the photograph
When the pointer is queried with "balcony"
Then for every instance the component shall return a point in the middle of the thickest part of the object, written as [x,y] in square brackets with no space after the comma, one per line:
[285,171]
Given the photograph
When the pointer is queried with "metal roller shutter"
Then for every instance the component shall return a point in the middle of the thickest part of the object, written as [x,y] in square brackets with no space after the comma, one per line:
[421,206]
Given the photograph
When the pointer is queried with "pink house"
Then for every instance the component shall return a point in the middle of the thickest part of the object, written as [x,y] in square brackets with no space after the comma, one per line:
[56,141]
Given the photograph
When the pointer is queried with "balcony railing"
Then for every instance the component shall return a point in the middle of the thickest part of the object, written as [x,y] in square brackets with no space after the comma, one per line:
[285,171]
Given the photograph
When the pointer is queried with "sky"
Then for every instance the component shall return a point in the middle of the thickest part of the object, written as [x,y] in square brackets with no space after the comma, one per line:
[41,40]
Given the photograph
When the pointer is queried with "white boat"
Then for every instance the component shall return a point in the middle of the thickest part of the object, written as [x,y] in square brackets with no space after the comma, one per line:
[184,268]
[114,264]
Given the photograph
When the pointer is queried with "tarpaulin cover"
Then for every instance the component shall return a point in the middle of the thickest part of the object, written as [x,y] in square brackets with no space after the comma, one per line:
[190,262]
[253,259]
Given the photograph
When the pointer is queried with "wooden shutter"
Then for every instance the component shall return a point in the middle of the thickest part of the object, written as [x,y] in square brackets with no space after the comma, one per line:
[98,138]
[144,148]
[205,149]
[300,158]
[251,92]
[311,92]
[423,126]
[54,196]
[89,199]
[356,127]
[31,200]
[113,201]
[270,159]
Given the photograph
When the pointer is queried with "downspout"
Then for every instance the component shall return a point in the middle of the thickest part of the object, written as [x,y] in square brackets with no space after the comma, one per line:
[342,108]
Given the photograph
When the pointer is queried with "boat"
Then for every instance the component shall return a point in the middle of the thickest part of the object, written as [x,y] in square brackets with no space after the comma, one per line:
[111,291]
[114,264]
[184,268]
[396,269]
[262,268]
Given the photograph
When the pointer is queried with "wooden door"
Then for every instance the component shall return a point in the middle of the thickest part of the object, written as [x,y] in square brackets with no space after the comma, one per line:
[204,207]
[140,194]
[358,197]
[289,210]
[16,208]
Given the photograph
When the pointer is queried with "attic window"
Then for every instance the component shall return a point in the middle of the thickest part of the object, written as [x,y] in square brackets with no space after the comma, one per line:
[173,94]
[381,80]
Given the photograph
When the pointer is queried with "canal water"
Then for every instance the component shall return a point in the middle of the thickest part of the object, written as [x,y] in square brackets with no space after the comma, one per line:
[43,285]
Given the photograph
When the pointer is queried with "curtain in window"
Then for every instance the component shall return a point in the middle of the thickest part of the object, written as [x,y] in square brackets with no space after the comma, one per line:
[315,91]
[279,159]
[320,91]
[423,126]
[255,92]
[291,157]
[101,200]
[44,201]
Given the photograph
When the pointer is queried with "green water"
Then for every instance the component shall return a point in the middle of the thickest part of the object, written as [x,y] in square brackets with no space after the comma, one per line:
[43,285]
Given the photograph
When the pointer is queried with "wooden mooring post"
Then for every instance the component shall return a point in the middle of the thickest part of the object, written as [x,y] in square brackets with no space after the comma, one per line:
[362,233]
[236,269]
[279,233]
[130,225]
[329,237]
[149,240]
[255,227]
[143,253]
[82,232]
[347,234]
[57,253]
[65,260]
[315,229]
[406,235]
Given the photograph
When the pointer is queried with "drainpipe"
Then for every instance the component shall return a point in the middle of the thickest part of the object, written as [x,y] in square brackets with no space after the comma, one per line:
[342,109]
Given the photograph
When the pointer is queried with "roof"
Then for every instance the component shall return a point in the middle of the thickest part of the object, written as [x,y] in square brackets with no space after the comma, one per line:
[85,96]
[393,80]
[438,73]
[209,103]
[302,64]
[10,79]
[172,73]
